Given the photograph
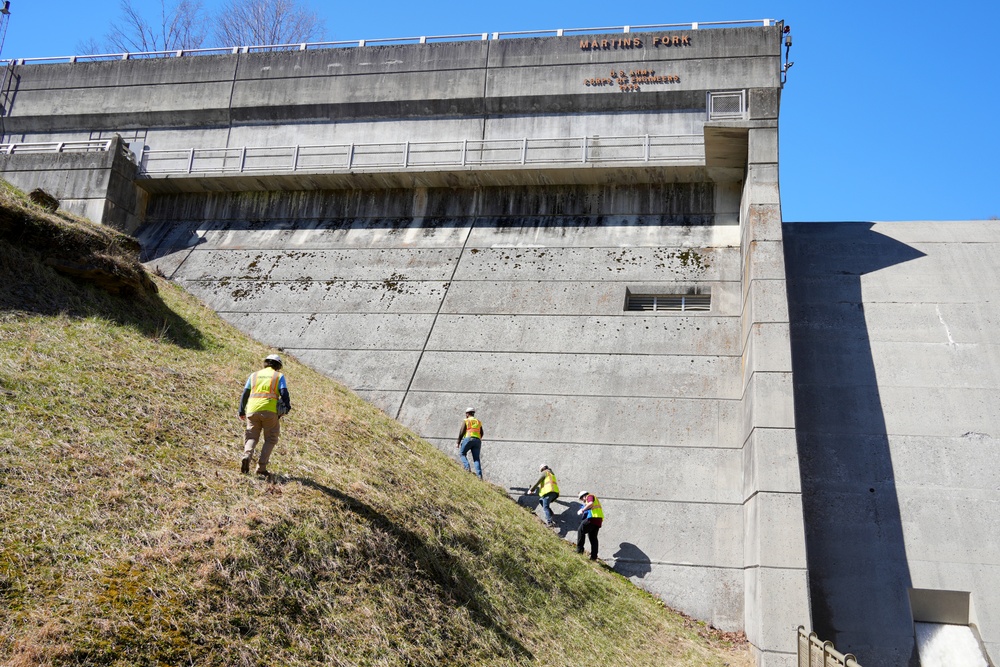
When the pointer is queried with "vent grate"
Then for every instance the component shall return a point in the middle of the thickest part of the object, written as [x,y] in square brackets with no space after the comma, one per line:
[726,105]
[669,302]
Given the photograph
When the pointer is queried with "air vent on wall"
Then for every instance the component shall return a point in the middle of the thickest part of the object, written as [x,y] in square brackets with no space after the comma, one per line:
[727,105]
[669,302]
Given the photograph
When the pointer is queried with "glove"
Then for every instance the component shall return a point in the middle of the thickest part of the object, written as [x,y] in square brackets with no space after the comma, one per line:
[581,512]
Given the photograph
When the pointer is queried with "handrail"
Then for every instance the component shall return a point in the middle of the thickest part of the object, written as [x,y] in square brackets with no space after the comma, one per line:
[461,154]
[810,647]
[304,46]
[56,147]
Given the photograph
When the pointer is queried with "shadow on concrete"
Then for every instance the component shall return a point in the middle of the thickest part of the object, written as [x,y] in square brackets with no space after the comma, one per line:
[566,519]
[180,229]
[858,572]
[631,561]
[454,580]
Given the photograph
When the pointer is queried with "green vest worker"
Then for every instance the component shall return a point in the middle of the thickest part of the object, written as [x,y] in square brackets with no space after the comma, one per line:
[265,399]
[593,517]
[470,439]
[548,490]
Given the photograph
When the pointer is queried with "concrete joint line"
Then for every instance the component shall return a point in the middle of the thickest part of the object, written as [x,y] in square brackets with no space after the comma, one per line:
[173,273]
[772,567]
[770,493]
[232,93]
[444,297]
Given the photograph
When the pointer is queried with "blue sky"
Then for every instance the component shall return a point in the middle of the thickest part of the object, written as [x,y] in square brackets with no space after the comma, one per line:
[890,112]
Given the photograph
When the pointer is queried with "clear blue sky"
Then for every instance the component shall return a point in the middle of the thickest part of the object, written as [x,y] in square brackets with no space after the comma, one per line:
[890,112]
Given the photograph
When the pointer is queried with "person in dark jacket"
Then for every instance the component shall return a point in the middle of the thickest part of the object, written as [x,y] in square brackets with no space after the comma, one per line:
[593,518]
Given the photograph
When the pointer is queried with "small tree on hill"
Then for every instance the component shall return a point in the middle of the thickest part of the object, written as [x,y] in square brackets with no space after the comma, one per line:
[247,22]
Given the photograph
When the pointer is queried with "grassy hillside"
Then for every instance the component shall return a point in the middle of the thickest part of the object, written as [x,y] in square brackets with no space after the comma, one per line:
[129,537]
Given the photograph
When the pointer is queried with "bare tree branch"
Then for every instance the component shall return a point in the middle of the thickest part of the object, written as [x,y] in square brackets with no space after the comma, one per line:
[263,22]
[180,26]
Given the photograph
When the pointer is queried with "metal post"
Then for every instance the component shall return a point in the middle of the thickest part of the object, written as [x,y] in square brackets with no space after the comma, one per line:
[406,154]
[584,156]
[295,158]
[243,158]
[524,149]
[465,150]
[59,146]
[190,160]
[645,152]
[350,156]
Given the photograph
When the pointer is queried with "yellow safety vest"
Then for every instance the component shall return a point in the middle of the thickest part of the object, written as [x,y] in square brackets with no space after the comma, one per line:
[473,428]
[264,391]
[595,510]
[549,485]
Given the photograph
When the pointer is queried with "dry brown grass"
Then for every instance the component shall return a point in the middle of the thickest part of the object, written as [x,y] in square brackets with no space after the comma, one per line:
[130,538]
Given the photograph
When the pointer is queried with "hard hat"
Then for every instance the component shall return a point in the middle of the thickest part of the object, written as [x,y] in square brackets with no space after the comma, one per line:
[470,409]
[275,358]
[544,466]
[583,494]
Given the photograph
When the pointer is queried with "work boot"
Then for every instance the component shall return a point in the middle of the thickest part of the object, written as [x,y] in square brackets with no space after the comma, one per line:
[262,472]
[245,465]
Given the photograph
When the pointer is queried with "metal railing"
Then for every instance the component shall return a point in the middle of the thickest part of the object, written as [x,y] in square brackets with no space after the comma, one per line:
[815,653]
[662,149]
[56,147]
[305,46]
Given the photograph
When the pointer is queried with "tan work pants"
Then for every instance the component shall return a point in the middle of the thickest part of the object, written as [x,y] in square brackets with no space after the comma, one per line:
[258,422]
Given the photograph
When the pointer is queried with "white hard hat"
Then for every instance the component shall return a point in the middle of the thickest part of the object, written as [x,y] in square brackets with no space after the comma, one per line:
[275,358]
[544,466]
[583,494]
[470,409]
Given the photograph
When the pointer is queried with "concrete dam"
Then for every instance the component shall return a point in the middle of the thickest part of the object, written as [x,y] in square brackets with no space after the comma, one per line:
[581,236]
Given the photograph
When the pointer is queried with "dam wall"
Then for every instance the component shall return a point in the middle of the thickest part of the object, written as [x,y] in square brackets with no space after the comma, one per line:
[894,330]
[620,317]
[475,90]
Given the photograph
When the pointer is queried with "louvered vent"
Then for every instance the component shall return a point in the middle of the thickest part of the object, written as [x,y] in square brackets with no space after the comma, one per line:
[669,302]
[727,105]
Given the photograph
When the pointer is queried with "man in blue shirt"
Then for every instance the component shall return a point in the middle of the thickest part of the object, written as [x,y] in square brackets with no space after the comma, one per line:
[265,399]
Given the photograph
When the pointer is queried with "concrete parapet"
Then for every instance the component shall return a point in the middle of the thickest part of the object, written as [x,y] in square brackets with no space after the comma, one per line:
[97,185]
